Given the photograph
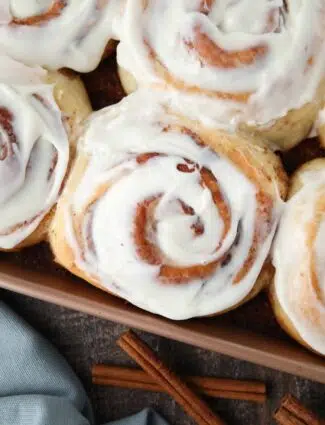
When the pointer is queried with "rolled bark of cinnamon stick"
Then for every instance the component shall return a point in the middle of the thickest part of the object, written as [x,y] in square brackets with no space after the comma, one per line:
[173,385]
[124,377]
[292,412]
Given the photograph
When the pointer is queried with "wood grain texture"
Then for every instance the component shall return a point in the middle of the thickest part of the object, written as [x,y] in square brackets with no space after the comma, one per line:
[85,340]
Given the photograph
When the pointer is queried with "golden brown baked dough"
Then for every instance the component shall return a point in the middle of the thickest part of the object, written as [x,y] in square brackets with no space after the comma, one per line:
[73,235]
[297,290]
[128,82]
[72,98]
[288,131]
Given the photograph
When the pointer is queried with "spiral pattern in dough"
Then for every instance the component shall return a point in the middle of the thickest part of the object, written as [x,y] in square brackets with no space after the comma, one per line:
[153,214]
[34,153]
[73,33]
[298,292]
[258,59]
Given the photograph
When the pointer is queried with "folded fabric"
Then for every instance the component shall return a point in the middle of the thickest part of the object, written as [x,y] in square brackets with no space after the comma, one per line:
[38,387]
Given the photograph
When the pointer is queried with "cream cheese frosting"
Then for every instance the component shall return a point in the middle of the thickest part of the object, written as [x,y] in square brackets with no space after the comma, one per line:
[266,54]
[73,33]
[299,258]
[145,157]
[34,150]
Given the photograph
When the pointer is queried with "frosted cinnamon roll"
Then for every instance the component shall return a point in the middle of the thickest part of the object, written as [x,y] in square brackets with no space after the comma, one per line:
[58,33]
[40,114]
[298,291]
[256,65]
[171,216]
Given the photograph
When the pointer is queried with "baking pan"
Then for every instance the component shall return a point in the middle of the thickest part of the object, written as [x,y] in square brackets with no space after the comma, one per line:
[248,333]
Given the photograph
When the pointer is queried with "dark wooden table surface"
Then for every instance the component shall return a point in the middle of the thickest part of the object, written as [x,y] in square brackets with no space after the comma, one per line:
[85,340]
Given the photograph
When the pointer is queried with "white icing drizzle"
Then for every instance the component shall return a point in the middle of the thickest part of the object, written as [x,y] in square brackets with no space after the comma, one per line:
[303,300]
[284,76]
[75,38]
[34,151]
[101,232]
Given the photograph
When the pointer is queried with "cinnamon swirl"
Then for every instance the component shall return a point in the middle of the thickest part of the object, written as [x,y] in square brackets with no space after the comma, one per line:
[40,114]
[58,33]
[254,65]
[298,291]
[172,216]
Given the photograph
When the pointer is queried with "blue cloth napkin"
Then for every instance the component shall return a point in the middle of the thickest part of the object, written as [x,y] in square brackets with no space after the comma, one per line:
[38,387]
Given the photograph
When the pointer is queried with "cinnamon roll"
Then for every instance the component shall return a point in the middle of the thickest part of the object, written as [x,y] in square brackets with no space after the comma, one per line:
[176,218]
[298,291]
[58,33]
[40,114]
[254,65]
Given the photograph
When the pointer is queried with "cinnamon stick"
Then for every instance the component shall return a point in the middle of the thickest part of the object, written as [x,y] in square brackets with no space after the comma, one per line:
[124,377]
[292,412]
[173,385]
